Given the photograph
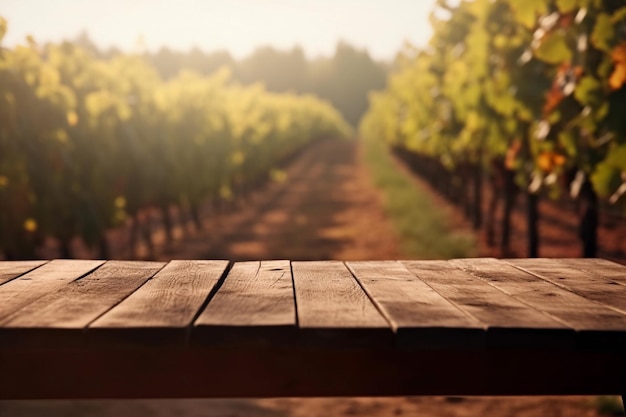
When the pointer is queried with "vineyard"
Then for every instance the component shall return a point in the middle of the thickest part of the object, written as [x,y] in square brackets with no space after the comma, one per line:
[87,144]
[528,96]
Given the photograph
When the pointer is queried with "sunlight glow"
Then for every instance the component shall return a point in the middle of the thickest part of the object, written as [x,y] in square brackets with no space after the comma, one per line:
[238,26]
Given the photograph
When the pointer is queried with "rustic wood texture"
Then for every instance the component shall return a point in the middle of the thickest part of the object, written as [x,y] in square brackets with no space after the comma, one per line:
[332,307]
[509,322]
[610,270]
[27,288]
[570,308]
[541,327]
[68,310]
[419,315]
[586,284]
[255,304]
[161,310]
[597,326]
[13,269]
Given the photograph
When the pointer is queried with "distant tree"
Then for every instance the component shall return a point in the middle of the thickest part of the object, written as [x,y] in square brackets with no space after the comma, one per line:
[84,41]
[280,71]
[169,62]
[346,80]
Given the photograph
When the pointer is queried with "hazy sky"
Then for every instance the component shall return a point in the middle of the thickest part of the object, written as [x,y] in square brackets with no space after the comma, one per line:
[236,25]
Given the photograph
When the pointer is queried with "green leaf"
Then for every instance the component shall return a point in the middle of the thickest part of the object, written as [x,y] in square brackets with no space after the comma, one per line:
[588,91]
[605,67]
[617,157]
[618,15]
[602,111]
[603,33]
[566,6]
[554,49]
[567,141]
[528,10]
[608,174]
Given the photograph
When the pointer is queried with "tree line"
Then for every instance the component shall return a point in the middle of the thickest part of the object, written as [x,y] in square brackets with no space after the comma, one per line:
[529,94]
[344,79]
[87,142]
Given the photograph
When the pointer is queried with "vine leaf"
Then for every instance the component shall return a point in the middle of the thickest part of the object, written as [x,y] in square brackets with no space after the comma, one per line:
[588,91]
[528,10]
[566,6]
[603,33]
[553,49]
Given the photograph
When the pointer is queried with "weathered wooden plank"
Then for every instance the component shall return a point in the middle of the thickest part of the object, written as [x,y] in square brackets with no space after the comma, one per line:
[64,313]
[27,288]
[586,284]
[597,326]
[607,269]
[254,305]
[509,322]
[160,311]
[420,316]
[13,269]
[333,309]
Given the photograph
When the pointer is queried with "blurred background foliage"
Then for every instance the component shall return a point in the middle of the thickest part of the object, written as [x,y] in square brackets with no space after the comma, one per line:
[88,141]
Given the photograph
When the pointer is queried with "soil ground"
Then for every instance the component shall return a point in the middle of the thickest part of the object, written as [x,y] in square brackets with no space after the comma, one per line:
[326,208]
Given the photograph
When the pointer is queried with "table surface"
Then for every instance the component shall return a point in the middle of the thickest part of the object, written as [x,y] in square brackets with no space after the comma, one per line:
[319,317]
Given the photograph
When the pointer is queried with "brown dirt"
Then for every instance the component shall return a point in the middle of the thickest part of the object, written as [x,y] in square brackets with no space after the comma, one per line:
[326,209]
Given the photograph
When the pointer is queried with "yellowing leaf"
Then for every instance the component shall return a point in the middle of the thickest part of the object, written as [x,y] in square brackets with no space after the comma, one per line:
[618,77]
[547,161]
[72,118]
[30,225]
[119,202]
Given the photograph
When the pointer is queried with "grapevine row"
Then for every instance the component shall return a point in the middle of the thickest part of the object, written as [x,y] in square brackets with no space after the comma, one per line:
[528,93]
[86,143]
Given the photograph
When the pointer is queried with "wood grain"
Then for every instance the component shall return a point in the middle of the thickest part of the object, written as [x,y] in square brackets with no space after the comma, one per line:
[161,311]
[13,269]
[419,315]
[27,288]
[509,322]
[254,305]
[597,326]
[333,309]
[64,313]
[586,284]
[610,270]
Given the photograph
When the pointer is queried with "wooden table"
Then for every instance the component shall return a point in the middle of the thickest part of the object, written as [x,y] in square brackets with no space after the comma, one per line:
[119,329]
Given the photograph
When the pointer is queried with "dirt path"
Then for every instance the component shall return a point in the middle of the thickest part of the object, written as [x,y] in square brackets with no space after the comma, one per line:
[326,208]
